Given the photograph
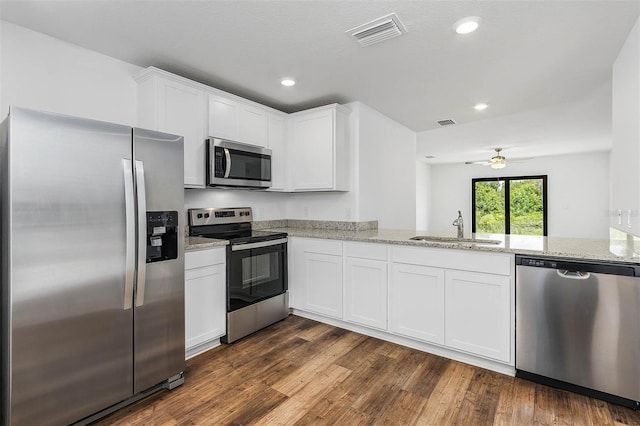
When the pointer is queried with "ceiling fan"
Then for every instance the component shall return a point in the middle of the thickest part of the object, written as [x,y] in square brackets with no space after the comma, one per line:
[498,161]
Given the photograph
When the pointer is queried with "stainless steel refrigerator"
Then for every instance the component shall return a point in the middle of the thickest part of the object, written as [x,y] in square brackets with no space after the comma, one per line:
[92,266]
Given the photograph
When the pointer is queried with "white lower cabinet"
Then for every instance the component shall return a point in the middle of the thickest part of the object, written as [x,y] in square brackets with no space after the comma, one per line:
[205,299]
[460,300]
[322,278]
[417,302]
[365,291]
[477,313]
[315,278]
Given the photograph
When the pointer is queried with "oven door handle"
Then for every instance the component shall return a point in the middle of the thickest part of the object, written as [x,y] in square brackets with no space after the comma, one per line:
[250,246]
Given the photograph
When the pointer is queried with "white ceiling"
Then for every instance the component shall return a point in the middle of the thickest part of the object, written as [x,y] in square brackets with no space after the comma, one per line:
[526,55]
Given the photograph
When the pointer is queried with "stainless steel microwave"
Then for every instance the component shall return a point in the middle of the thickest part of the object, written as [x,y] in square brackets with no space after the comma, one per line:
[237,165]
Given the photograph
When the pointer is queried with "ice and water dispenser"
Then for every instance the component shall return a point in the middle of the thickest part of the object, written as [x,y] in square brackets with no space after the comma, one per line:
[162,236]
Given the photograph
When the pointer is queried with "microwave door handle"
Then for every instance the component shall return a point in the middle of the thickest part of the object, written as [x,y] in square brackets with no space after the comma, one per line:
[227,169]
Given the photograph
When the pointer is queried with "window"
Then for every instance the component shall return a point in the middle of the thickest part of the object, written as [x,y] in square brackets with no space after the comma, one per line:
[510,205]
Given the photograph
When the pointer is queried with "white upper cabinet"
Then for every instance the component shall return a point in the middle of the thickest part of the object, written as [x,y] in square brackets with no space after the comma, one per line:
[237,121]
[253,126]
[625,152]
[171,104]
[310,149]
[319,145]
[276,135]
[224,116]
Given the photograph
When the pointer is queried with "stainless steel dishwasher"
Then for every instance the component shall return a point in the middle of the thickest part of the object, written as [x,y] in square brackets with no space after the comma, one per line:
[577,326]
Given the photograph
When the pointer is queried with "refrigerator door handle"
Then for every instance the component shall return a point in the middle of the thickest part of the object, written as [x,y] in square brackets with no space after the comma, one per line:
[142,232]
[130,220]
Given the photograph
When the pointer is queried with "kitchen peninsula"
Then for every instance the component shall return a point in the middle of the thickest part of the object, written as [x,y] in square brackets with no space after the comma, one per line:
[452,299]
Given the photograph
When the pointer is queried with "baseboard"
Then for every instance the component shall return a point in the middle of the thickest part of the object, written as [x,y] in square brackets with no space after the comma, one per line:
[466,358]
[201,348]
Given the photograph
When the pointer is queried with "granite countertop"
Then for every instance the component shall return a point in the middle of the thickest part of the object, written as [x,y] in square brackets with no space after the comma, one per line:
[616,250]
[200,243]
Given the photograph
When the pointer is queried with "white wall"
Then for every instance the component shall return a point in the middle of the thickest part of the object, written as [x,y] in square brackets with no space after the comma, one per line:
[577,185]
[387,175]
[266,205]
[423,195]
[41,72]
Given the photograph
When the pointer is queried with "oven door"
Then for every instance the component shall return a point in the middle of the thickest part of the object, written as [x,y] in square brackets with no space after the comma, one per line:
[255,271]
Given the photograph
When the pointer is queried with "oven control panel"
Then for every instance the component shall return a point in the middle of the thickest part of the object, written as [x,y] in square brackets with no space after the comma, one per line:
[201,217]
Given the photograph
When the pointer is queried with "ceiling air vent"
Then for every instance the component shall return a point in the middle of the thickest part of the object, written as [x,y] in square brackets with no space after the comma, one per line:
[446,122]
[378,30]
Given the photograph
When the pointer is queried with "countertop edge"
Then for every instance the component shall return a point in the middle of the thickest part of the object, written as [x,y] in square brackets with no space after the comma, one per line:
[201,243]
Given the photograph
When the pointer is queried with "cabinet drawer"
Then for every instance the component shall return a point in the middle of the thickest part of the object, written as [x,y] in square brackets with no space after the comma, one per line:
[200,258]
[205,271]
[323,246]
[467,260]
[366,250]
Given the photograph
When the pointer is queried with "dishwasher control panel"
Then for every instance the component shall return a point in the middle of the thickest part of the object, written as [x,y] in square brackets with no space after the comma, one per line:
[575,265]
[540,263]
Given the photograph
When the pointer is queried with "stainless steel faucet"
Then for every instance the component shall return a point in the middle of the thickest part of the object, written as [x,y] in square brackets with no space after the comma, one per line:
[459,223]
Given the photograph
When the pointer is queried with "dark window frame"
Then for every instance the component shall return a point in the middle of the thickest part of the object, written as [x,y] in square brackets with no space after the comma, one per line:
[507,194]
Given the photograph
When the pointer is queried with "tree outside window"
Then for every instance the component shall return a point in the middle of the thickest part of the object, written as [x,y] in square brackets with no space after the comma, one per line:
[510,205]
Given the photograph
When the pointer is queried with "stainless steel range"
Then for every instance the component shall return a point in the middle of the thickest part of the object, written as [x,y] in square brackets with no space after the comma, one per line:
[256,268]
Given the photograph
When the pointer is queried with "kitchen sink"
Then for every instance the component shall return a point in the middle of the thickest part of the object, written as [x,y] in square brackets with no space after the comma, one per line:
[453,240]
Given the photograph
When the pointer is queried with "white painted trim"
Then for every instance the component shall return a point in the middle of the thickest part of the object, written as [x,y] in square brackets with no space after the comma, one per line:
[201,348]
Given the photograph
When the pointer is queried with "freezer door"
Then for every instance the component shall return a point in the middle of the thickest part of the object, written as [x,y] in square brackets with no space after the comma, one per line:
[159,301]
[70,334]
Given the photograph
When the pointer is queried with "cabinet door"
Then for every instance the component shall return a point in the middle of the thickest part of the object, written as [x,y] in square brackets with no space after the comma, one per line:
[295,260]
[322,284]
[625,126]
[276,143]
[224,116]
[478,313]
[252,126]
[313,147]
[366,292]
[181,111]
[417,302]
[205,304]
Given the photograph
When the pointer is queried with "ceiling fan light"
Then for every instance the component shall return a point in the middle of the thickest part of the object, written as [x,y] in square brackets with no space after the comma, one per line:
[498,165]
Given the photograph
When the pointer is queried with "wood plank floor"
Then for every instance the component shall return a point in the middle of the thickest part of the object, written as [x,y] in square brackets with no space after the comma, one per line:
[303,372]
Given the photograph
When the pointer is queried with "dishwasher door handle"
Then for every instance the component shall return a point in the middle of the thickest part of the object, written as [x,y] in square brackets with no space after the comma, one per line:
[573,275]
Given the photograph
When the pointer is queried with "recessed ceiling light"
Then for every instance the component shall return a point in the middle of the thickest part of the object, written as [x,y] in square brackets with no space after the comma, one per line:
[480,107]
[288,82]
[467,25]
